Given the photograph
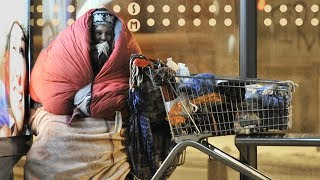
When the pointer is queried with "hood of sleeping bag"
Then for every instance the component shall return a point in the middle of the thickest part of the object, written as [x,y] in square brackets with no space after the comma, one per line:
[64,67]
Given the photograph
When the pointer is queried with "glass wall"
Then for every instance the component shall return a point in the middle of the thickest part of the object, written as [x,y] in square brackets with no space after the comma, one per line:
[288,49]
[202,34]
[48,18]
[205,36]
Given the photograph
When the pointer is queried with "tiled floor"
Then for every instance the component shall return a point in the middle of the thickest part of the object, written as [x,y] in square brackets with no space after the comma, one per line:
[280,163]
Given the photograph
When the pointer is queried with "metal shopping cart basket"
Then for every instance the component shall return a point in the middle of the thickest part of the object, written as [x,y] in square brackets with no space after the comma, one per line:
[208,105]
[205,105]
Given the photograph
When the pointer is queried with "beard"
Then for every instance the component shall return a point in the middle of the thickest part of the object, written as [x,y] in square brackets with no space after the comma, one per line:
[103,48]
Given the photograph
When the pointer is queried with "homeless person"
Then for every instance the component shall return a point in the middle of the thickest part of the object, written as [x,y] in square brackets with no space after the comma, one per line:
[69,66]
[81,81]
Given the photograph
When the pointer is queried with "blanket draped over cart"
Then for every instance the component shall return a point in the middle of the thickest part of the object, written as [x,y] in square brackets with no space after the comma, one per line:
[64,67]
[95,149]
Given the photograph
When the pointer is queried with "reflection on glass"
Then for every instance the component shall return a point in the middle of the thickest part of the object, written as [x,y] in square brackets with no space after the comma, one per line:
[196,31]
[14,85]
[13,67]
[288,48]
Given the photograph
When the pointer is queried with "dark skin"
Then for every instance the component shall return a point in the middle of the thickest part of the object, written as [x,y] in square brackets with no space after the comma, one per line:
[102,33]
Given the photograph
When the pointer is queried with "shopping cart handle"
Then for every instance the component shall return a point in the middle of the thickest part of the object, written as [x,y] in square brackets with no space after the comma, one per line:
[213,152]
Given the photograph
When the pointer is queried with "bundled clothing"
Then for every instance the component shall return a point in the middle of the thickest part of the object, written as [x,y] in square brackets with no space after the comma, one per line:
[87,148]
[198,85]
[271,96]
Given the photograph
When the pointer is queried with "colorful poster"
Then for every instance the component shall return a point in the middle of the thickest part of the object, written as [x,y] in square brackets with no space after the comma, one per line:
[14,33]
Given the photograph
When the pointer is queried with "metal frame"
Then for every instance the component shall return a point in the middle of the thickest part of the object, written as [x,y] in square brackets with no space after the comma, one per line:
[247,144]
[213,152]
[248,39]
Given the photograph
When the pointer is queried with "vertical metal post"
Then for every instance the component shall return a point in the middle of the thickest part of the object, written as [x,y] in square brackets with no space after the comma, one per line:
[30,59]
[248,155]
[248,60]
[248,38]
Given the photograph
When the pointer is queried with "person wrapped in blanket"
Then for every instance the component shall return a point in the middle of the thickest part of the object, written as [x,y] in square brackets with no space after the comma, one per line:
[81,81]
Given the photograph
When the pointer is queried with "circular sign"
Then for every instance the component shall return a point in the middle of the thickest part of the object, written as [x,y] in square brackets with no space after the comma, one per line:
[133,8]
[133,25]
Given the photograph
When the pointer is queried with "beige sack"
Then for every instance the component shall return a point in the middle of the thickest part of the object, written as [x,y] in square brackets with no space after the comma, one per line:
[87,148]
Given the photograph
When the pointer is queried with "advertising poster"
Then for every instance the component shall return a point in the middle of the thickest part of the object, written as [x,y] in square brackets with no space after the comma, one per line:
[14,33]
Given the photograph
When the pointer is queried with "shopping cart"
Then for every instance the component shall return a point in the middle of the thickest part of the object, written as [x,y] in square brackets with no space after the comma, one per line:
[207,105]
[204,105]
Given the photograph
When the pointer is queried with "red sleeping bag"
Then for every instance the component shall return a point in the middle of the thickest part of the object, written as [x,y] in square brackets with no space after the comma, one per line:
[64,67]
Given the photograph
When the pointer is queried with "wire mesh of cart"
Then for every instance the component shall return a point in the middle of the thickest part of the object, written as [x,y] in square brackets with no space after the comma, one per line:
[206,105]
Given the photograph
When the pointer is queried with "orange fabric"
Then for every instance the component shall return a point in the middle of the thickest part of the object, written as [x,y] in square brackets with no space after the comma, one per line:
[177,115]
[64,67]
[141,63]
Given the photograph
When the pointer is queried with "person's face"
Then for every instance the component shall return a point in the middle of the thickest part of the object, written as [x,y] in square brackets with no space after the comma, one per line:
[102,33]
[17,74]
